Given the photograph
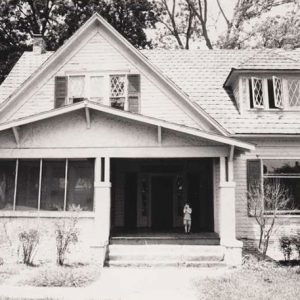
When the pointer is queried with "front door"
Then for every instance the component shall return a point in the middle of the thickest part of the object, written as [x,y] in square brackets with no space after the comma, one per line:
[162,202]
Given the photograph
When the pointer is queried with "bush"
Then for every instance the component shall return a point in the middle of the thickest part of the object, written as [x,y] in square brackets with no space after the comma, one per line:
[29,243]
[66,233]
[296,243]
[67,276]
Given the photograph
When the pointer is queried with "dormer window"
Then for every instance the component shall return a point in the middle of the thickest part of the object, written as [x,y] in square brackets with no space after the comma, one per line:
[120,91]
[273,92]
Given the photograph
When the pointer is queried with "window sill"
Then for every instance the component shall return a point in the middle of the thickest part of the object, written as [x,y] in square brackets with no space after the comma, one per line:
[45,214]
[287,214]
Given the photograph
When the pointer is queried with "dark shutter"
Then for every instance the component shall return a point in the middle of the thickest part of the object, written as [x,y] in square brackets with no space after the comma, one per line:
[253,172]
[134,86]
[60,91]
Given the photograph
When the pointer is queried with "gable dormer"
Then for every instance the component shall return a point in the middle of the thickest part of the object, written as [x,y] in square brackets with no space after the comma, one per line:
[267,81]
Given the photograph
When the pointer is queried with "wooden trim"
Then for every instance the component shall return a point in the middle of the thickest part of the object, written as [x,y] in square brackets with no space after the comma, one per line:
[40,184]
[87,118]
[159,135]
[16,135]
[16,183]
[136,117]
[66,183]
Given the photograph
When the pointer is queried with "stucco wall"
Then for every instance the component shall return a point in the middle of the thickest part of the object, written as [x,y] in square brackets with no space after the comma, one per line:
[247,227]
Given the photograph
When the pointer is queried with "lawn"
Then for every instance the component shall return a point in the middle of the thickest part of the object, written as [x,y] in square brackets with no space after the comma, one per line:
[255,280]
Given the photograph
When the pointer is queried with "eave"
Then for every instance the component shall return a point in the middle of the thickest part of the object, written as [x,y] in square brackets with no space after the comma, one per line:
[160,124]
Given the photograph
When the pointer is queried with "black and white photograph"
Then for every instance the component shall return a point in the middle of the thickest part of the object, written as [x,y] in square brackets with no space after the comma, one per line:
[149,149]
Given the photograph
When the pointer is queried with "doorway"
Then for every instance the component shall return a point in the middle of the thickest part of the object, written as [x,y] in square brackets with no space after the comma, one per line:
[162,203]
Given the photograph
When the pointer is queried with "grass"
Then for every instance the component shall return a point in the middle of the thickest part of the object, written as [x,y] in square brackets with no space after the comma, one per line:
[255,280]
[78,275]
[9,270]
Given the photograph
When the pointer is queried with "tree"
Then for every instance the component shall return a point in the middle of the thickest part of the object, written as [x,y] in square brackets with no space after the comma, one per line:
[264,203]
[179,25]
[57,20]
[244,11]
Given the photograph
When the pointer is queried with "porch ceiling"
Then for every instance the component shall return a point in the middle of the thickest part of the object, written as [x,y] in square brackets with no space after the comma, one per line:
[87,105]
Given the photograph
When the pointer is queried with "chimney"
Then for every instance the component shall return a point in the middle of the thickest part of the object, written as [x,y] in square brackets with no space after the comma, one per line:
[38,46]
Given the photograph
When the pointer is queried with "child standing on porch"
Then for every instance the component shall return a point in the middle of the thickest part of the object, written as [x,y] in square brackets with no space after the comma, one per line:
[187,218]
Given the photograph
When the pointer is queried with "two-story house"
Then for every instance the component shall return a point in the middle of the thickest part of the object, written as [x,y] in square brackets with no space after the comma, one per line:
[130,136]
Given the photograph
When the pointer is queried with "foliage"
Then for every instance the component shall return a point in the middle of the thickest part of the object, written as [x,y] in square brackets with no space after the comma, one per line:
[29,243]
[57,20]
[296,243]
[264,203]
[66,233]
[179,24]
[286,247]
[68,276]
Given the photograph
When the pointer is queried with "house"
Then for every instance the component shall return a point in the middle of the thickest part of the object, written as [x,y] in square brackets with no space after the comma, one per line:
[130,136]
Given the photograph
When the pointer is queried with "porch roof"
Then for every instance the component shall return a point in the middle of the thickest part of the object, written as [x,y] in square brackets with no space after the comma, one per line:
[127,115]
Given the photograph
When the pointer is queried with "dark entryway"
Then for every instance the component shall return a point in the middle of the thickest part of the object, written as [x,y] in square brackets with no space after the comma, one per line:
[130,203]
[162,206]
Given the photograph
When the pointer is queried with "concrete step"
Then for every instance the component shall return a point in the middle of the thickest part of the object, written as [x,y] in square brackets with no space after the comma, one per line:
[168,255]
[165,263]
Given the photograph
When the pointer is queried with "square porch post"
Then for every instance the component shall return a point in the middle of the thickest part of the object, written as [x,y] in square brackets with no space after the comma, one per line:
[233,254]
[102,204]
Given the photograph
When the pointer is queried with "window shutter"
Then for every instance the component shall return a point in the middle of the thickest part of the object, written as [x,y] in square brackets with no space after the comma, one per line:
[277,87]
[134,86]
[253,172]
[61,90]
[257,92]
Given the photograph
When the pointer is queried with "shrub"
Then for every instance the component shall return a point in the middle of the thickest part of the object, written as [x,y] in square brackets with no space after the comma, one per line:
[29,243]
[66,233]
[286,247]
[67,276]
[296,243]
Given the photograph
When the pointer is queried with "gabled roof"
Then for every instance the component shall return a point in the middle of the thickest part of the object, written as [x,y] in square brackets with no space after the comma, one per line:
[96,20]
[127,115]
[200,75]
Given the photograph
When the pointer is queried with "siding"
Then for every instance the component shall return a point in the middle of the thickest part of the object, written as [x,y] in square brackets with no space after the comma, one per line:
[247,229]
[98,54]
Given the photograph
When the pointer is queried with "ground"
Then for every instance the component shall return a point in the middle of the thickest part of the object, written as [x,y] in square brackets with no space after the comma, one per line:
[254,280]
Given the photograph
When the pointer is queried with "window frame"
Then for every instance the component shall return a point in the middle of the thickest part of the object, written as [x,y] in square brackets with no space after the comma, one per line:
[38,211]
[107,84]
[293,213]
[285,92]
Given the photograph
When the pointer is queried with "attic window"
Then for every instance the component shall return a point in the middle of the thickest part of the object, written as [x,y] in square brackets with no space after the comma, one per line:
[265,93]
[76,88]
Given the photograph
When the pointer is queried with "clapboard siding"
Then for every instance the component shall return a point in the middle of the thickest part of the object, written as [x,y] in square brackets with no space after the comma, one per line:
[246,226]
[98,54]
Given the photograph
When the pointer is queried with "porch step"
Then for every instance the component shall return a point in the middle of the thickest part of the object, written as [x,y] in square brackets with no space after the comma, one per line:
[171,240]
[165,255]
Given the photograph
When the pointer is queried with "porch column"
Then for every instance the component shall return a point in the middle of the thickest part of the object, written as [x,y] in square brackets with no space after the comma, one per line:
[233,255]
[102,201]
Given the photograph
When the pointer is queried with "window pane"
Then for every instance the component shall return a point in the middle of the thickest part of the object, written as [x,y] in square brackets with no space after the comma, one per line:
[281,167]
[117,91]
[76,86]
[7,184]
[53,185]
[294,92]
[96,88]
[292,185]
[250,93]
[80,190]
[271,93]
[28,185]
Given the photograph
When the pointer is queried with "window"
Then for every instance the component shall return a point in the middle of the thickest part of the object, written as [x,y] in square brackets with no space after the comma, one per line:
[7,184]
[42,185]
[121,91]
[80,184]
[117,91]
[76,88]
[274,93]
[53,185]
[28,185]
[286,172]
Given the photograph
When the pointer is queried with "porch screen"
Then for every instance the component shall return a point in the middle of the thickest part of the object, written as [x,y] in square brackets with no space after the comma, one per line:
[53,185]
[80,184]
[28,185]
[7,184]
